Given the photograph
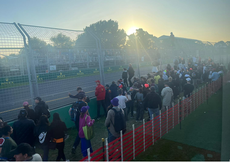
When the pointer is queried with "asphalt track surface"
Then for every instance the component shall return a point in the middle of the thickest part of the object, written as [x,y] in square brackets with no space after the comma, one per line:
[54,93]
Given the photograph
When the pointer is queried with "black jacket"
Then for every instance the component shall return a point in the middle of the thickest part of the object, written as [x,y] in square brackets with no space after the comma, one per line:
[108,95]
[58,130]
[24,131]
[124,75]
[39,108]
[131,72]
[42,134]
[31,114]
[188,88]
[113,89]
[153,100]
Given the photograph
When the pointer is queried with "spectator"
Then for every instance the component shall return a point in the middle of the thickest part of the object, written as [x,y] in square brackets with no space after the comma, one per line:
[107,96]
[215,76]
[157,77]
[31,114]
[153,102]
[85,119]
[74,113]
[133,91]
[125,76]
[160,84]
[24,152]
[167,94]
[41,108]
[7,144]
[165,76]
[58,130]
[122,102]
[23,129]
[112,121]
[114,89]
[79,92]
[188,88]
[42,133]
[140,105]
[131,74]
[100,94]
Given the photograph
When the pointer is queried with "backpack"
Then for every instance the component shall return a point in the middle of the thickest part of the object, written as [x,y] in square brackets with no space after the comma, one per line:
[119,121]
[75,111]
[45,111]
[88,130]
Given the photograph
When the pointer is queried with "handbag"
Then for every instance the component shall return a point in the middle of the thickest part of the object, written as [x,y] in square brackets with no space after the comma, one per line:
[88,130]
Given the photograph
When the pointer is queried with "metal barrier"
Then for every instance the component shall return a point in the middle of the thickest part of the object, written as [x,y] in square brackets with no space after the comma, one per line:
[132,143]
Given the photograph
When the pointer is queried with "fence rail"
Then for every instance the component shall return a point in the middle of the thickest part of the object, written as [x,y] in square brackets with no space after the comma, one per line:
[131,144]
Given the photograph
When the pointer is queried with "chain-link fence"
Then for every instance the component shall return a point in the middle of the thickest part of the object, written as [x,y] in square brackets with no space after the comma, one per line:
[51,62]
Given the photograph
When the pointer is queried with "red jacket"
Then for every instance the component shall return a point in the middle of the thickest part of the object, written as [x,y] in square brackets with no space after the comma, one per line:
[100,92]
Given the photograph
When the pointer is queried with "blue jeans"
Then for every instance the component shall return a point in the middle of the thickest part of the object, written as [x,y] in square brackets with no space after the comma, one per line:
[153,111]
[110,137]
[85,144]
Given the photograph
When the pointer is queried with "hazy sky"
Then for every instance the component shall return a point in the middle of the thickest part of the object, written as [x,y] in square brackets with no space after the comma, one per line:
[206,20]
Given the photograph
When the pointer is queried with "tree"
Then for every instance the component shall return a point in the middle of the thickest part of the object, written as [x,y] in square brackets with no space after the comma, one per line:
[220,44]
[140,40]
[62,41]
[107,31]
[37,44]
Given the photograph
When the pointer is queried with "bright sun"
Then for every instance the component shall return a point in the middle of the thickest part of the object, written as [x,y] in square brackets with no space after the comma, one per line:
[132,30]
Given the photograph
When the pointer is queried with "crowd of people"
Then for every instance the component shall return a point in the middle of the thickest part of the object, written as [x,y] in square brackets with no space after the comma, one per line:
[120,101]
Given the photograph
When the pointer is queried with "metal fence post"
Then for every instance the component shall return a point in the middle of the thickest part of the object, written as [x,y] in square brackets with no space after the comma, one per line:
[153,128]
[133,142]
[144,133]
[173,114]
[178,110]
[160,121]
[121,145]
[107,149]
[88,152]
[30,65]
[167,128]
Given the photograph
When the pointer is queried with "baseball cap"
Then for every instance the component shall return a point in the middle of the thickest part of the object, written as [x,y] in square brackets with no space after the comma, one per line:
[188,79]
[146,85]
[97,81]
[23,113]
[24,148]
[115,101]
[84,109]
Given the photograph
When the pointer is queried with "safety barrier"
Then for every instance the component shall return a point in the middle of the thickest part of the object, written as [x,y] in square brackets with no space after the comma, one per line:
[132,143]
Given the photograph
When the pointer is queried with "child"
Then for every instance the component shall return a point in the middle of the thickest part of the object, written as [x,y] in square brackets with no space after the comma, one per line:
[85,119]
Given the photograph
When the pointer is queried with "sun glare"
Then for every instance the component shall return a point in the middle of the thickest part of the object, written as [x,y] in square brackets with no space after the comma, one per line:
[132,30]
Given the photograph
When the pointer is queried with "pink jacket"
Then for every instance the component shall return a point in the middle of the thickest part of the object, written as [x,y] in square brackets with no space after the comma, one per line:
[82,123]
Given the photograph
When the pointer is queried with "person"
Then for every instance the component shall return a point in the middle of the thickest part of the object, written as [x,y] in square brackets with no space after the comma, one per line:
[24,152]
[111,120]
[131,74]
[125,76]
[58,130]
[42,133]
[157,77]
[160,84]
[85,119]
[23,129]
[140,105]
[165,76]
[167,94]
[188,88]
[7,144]
[77,106]
[215,76]
[122,102]
[153,102]
[100,94]
[79,92]
[31,114]
[133,91]
[107,96]
[113,89]
[41,108]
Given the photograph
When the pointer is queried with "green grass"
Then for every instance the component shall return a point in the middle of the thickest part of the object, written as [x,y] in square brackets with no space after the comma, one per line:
[199,138]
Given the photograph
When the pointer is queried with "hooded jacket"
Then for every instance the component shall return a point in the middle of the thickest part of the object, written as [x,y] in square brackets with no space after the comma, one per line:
[100,92]
[39,108]
[153,100]
[167,94]
[113,89]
